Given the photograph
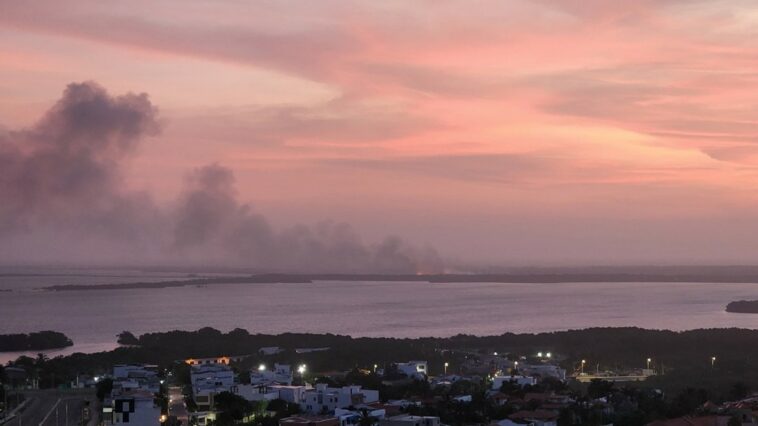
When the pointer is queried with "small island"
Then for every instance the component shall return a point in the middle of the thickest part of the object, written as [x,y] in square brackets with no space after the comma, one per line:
[743,307]
[38,341]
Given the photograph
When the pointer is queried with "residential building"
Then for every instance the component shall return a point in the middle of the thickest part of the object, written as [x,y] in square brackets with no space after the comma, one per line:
[408,420]
[497,381]
[281,374]
[122,371]
[543,371]
[224,360]
[135,376]
[323,399]
[292,394]
[413,369]
[208,380]
[132,398]
[134,407]
[255,392]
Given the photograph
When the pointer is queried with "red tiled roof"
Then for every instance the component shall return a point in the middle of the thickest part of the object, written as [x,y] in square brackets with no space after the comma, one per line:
[693,421]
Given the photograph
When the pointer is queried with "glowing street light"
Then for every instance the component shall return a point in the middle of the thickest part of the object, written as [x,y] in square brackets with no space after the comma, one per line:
[446,365]
[713,361]
[262,367]
[583,362]
[301,369]
[548,355]
[539,354]
[648,363]
[495,354]
[375,367]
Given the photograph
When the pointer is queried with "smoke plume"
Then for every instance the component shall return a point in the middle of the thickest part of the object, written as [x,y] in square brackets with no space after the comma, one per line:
[62,199]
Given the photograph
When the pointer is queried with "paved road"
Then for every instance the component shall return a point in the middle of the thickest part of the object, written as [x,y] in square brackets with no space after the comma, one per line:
[176,406]
[54,408]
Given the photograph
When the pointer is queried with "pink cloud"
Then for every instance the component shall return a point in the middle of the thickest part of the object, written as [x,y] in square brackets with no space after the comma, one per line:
[574,102]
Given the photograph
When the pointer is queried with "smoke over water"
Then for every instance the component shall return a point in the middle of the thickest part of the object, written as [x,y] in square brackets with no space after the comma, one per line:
[62,200]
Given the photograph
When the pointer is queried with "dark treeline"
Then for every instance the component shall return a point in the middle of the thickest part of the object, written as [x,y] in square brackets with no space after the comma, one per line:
[743,307]
[38,341]
[684,357]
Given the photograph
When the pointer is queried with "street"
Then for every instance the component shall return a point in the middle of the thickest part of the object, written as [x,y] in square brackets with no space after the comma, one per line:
[176,405]
[56,408]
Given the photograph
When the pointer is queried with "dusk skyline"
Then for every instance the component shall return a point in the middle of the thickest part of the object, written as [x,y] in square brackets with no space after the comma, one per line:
[487,133]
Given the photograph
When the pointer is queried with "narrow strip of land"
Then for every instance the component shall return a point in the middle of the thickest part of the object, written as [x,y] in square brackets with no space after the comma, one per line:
[543,278]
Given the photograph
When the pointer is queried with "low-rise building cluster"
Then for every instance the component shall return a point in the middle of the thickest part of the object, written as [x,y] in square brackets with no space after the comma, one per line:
[132,399]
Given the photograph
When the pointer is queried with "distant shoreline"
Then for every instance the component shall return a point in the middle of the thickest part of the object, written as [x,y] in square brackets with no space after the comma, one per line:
[743,307]
[536,278]
[37,341]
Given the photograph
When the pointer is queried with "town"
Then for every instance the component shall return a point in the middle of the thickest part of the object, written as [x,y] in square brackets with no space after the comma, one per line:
[456,387]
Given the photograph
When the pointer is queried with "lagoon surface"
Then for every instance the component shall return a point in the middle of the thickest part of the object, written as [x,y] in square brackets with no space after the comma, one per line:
[92,318]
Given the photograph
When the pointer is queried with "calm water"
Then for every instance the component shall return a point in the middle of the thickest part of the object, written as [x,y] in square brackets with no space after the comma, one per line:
[93,318]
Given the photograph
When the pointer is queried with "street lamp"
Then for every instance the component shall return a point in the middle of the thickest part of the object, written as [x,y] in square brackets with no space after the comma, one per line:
[446,365]
[648,363]
[375,367]
[548,355]
[539,354]
[713,361]
[495,354]
[301,369]
[583,362]
[262,367]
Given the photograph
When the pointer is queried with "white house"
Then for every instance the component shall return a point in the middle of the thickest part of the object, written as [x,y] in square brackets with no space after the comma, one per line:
[497,381]
[255,392]
[133,408]
[323,399]
[209,380]
[544,370]
[280,374]
[292,394]
[413,369]
[131,400]
[123,371]
[215,375]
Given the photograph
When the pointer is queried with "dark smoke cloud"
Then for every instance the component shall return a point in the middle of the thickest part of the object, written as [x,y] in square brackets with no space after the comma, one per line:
[64,171]
[209,215]
[62,199]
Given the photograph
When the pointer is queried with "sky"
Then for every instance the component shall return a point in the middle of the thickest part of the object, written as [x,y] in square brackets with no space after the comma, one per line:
[382,136]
